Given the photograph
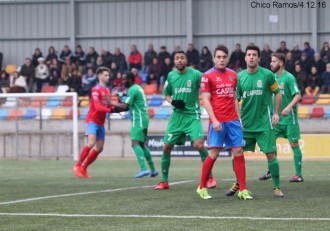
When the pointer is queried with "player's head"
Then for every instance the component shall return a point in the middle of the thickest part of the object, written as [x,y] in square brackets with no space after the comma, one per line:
[252,56]
[103,74]
[278,62]
[180,60]
[220,57]
[128,79]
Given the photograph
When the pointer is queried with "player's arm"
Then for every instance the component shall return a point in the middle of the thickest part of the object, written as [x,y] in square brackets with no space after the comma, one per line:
[118,107]
[98,104]
[278,101]
[294,91]
[178,103]
[206,97]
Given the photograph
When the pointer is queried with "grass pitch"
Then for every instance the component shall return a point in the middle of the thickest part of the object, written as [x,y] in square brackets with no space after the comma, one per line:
[45,195]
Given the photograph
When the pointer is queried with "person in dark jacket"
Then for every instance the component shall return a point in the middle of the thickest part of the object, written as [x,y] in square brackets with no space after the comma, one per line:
[148,57]
[51,55]
[237,59]
[36,55]
[265,57]
[205,60]
[325,89]
[192,56]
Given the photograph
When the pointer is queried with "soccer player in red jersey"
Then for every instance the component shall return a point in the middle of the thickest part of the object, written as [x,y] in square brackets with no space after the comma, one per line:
[218,89]
[95,123]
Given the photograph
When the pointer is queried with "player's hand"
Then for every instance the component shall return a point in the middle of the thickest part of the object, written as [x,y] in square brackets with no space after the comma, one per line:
[286,111]
[178,103]
[275,119]
[217,126]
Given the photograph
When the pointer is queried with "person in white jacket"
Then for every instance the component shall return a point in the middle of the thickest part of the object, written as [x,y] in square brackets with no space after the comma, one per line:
[41,74]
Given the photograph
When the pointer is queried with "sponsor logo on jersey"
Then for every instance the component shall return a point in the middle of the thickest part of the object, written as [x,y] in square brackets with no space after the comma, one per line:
[182,90]
[251,93]
[189,83]
[259,83]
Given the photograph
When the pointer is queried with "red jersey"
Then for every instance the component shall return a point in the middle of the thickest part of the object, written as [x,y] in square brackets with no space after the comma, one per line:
[98,107]
[222,86]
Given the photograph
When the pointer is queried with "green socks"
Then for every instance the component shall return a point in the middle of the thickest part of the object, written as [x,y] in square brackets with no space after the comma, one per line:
[297,156]
[139,156]
[148,157]
[274,168]
[166,162]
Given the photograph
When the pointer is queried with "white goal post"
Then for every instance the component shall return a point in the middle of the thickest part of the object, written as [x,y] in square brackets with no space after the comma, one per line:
[47,95]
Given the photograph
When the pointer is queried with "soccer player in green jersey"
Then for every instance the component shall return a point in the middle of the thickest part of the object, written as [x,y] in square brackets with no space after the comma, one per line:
[288,127]
[182,90]
[137,104]
[256,86]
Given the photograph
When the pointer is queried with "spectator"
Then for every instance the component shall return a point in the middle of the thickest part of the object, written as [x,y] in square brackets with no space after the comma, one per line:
[324,52]
[120,60]
[74,83]
[282,49]
[107,57]
[66,70]
[205,60]
[162,55]
[176,48]
[154,72]
[138,79]
[99,63]
[4,82]
[1,57]
[318,63]
[51,55]
[28,71]
[167,68]
[296,53]
[305,63]
[237,59]
[309,51]
[265,57]
[54,72]
[135,58]
[192,56]
[325,89]
[65,53]
[17,83]
[313,82]
[118,85]
[79,58]
[301,78]
[89,80]
[113,74]
[36,55]
[41,74]
[91,58]
[148,57]
[289,63]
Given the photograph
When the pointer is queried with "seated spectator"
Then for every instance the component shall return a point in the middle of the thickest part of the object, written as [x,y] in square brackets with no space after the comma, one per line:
[192,56]
[75,83]
[41,74]
[148,56]
[313,82]
[118,85]
[289,63]
[325,89]
[120,60]
[66,70]
[91,58]
[162,55]
[107,57]
[54,72]
[325,52]
[318,63]
[113,74]
[89,80]
[309,51]
[305,63]
[99,63]
[36,55]
[51,55]
[17,83]
[167,68]
[296,53]
[237,59]
[65,53]
[79,58]
[205,60]
[135,58]
[154,72]
[282,49]
[301,78]
[138,78]
[28,72]
[4,82]
[176,48]
[265,57]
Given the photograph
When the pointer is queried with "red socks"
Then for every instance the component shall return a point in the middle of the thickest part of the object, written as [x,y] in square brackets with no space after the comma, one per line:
[83,154]
[206,170]
[239,168]
[90,158]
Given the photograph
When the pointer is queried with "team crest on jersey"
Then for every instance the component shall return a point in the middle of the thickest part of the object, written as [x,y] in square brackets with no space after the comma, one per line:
[189,83]
[218,79]
[230,78]
[282,86]
[259,83]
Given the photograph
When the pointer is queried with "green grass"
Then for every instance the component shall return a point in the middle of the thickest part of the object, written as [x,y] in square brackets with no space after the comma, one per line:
[25,179]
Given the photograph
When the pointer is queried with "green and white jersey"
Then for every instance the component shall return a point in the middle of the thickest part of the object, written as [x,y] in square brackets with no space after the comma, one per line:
[289,88]
[137,103]
[185,87]
[256,91]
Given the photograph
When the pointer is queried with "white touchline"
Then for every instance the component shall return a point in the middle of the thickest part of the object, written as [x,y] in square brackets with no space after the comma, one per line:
[86,193]
[165,216]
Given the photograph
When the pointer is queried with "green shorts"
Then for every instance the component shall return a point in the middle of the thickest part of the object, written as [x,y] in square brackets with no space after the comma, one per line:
[266,141]
[181,125]
[139,134]
[290,132]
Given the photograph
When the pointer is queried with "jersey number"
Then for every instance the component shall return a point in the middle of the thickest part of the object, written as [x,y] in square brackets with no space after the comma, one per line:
[169,137]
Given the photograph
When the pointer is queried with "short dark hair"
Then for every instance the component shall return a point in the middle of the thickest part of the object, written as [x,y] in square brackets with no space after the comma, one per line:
[130,76]
[100,70]
[221,47]
[280,56]
[179,52]
[253,47]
